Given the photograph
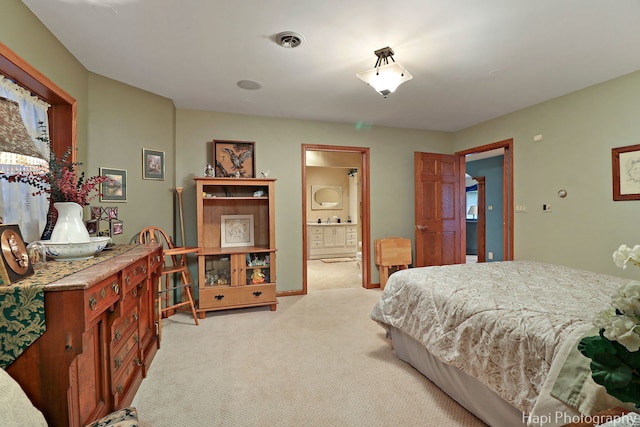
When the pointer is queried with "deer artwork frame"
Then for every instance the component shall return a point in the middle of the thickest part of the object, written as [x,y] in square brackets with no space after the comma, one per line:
[234,159]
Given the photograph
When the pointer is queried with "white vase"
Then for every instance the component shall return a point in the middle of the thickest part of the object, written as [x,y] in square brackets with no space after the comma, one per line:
[69,227]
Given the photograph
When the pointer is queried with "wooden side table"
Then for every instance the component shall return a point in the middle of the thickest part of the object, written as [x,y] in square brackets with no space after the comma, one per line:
[599,418]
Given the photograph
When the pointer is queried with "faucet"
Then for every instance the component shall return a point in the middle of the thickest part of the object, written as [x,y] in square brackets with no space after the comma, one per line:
[328,220]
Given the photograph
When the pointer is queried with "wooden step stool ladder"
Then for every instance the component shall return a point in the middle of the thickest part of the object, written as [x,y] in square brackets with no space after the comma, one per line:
[392,252]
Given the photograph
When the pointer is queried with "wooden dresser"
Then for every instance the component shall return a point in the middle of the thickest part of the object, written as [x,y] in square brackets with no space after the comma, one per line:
[101,336]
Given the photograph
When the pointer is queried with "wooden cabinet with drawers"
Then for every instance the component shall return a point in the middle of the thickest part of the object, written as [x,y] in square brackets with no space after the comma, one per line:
[236,241]
[100,339]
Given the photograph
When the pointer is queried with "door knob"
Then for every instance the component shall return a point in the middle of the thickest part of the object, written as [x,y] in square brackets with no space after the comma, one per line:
[421,227]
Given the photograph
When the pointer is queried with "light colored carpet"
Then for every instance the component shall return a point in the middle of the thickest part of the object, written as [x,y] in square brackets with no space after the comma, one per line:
[317,361]
[324,276]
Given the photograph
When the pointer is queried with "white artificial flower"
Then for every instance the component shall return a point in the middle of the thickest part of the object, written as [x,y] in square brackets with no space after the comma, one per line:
[627,299]
[622,329]
[621,256]
[624,254]
[603,319]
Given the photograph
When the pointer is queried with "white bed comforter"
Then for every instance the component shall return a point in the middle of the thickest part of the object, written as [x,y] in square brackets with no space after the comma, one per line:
[500,322]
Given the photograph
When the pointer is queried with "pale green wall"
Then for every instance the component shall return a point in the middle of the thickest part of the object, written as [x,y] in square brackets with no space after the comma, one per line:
[122,121]
[579,130]
[279,149]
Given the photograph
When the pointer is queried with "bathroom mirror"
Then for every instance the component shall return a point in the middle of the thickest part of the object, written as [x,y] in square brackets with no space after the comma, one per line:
[326,197]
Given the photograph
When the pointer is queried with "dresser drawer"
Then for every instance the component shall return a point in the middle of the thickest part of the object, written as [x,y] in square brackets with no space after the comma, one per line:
[127,349]
[127,380]
[122,327]
[135,273]
[101,296]
[316,244]
[226,296]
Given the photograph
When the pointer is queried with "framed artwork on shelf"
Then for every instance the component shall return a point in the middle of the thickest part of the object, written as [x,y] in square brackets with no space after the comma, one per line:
[626,172]
[15,258]
[234,159]
[152,164]
[115,189]
[236,230]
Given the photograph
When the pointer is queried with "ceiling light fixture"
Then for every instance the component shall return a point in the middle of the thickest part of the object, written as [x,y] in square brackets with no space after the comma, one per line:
[385,77]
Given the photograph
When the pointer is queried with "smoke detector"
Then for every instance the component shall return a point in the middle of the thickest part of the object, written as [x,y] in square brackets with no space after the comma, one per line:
[289,39]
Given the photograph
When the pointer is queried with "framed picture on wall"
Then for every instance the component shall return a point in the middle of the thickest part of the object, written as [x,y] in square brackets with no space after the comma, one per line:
[626,172]
[152,164]
[234,159]
[115,189]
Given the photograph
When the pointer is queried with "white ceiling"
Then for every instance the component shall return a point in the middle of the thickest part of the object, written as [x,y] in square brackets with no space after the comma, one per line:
[471,60]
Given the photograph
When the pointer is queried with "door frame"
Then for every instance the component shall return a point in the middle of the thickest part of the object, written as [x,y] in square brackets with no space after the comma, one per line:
[507,189]
[365,208]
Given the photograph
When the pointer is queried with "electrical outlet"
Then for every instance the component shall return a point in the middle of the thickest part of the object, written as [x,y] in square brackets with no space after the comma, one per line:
[490,255]
[546,208]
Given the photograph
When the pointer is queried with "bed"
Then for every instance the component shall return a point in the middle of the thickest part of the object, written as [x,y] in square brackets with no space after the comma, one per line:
[500,338]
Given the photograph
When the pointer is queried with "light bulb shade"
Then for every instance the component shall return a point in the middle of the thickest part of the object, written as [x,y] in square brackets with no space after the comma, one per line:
[16,146]
[386,78]
[473,210]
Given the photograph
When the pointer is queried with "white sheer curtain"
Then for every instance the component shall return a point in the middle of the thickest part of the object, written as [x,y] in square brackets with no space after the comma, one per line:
[18,205]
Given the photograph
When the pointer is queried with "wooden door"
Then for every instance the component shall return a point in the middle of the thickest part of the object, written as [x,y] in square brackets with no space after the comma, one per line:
[439,209]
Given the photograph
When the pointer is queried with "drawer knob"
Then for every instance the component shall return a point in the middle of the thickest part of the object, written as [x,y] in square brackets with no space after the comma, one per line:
[92,303]
[127,279]
[115,287]
[135,315]
[116,335]
[119,389]
[257,293]
[137,362]
[117,362]
[219,297]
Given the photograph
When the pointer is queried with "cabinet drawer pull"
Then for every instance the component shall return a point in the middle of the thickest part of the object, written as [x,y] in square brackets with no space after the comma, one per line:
[115,287]
[137,362]
[127,279]
[144,269]
[135,315]
[92,303]
[119,389]
[219,297]
[257,293]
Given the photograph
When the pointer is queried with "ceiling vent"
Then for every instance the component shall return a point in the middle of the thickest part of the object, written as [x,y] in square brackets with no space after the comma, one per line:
[289,39]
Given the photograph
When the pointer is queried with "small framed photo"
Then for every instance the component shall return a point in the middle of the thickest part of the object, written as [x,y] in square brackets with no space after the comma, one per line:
[116,227]
[92,226]
[152,164]
[626,172]
[236,230]
[115,189]
[96,212]
[111,212]
[235,159]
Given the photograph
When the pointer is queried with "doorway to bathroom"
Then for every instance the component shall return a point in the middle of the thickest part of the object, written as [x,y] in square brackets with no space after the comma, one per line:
[336,221]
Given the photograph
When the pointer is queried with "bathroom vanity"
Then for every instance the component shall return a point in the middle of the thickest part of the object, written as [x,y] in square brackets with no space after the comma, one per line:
[332,240]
